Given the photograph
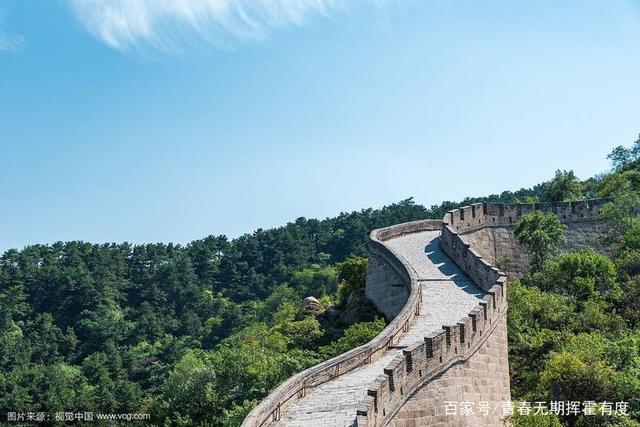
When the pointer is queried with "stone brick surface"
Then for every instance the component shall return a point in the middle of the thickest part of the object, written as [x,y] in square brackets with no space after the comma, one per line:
[498,244]
[385,287]
[447,296]
[482,378]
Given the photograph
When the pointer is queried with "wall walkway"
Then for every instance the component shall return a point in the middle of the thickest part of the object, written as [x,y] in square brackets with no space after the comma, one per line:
[335,403]
[447,340]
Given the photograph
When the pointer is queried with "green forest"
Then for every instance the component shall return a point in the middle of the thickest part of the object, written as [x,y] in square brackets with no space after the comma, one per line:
[574,319]
[199,333]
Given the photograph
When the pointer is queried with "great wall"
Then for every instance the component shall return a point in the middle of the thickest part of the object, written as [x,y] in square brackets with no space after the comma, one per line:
[447,342]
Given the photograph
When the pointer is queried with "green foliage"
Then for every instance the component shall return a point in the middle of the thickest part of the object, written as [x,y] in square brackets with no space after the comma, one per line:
[619,184]
[622,157]
[534,420]
[581,276]
[303,334]
[629,303]
[233,417]
[282,296]
[353,274]
[622,213]
[568,376]
[599,420]
[565,186]
[560,351]
[573,320]
[538,322]
[316,281]
[190,389]
[40,387]
[541,235]
[526,199]
[354,336]
[594,367]
[622,216]
[221,386]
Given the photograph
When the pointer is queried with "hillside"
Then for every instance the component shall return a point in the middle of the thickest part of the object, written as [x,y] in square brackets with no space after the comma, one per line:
[201,332]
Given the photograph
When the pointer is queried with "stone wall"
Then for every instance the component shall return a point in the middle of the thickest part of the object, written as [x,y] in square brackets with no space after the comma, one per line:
[412,374]
[480,373]
[477,238]
[484,377]
[489,229]
[388,286]
[493,214]
[385,287]
[296,387]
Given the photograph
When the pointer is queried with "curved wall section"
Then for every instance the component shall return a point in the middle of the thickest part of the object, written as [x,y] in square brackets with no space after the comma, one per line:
[271,409]
[439,282]
[412,375]
[388,285]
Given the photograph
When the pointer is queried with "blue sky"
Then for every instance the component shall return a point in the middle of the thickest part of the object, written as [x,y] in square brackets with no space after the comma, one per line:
[166,121]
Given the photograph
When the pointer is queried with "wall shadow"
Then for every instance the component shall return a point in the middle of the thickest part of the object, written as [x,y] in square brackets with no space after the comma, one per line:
[447,267]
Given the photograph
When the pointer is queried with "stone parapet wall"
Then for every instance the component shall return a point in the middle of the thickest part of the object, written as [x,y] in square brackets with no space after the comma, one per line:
[481,271]
[480,215]
[423,361]
[296,387]
[483,379]
[389,285]
[387,289]
[489,229]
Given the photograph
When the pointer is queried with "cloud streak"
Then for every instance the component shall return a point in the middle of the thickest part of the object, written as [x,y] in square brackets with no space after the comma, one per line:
[10,42]
[165,24]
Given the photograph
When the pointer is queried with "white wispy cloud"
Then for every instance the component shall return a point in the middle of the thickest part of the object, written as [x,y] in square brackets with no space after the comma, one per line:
[10,42]
[164,24]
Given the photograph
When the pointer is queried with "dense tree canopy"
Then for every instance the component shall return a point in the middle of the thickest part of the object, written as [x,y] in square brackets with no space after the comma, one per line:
[573,321]
[540,234]
[565,186]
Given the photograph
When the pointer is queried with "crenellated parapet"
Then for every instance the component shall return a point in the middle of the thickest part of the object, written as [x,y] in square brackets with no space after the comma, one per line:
[455,343]
[490,227]
[271,409]
[481,271]
[480,215]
